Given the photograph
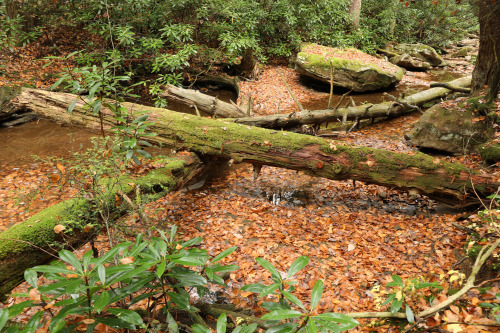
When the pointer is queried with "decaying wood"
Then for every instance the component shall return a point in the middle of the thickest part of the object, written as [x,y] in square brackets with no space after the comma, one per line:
[364,111]
[212,105]
[448,182]
[33,242]
[208,104]
[450,86]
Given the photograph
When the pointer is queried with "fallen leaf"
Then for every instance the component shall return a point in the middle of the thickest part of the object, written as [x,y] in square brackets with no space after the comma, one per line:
[60,167]
[127,260]
[59,228]
[34,294]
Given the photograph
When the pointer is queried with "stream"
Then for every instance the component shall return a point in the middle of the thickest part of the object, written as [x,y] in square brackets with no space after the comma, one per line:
[44,138]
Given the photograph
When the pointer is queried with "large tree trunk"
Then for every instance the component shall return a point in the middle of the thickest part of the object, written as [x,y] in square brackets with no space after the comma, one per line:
[211,105]
[33,242]
[449,182]
[488,60]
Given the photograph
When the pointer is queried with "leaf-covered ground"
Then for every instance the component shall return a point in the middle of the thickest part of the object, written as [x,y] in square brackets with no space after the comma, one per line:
[356,235]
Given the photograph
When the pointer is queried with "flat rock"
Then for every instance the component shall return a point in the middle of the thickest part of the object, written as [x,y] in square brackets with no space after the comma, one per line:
[352,69]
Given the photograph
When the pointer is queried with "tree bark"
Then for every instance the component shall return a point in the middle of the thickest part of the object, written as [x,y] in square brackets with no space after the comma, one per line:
[448,182]
[355,12]
[33,242]
[208,104]
[488,60]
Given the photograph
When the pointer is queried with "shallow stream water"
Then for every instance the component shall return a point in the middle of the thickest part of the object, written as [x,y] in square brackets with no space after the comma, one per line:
[45,138]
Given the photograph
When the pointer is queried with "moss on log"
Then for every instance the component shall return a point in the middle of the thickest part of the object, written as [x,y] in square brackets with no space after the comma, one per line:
[34,241]
[444,181]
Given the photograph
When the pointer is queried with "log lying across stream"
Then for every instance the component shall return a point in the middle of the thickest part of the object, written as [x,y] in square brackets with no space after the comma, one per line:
[34,241]
[448,182]
[213,106]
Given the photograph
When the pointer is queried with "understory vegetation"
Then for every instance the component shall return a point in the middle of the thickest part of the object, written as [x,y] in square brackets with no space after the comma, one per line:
[151,42]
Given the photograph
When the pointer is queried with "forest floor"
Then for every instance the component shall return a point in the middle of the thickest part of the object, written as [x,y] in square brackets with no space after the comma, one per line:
[356,235]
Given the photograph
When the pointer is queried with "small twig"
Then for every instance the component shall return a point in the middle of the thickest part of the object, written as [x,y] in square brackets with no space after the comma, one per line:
[136,207]
[237,107]
[35,246]
[197,111]
[341,99]
[459,262]
[356,122]
[353,103]
[487,281]
[470,324]
[409,106]
[464,228]
[330,100]
[344,121]
[301,108]
[250,106]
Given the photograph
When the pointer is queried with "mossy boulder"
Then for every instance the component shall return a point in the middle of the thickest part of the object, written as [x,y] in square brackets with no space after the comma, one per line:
[420,51]
[352,69]
[453,129]
[490,152]
[407,61]
[463,52]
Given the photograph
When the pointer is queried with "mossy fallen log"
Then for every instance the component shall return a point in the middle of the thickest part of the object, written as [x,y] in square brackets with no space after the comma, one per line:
[35,242]
[449,182]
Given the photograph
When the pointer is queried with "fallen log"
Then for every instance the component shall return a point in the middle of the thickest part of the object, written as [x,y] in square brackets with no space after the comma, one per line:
[208,104]
[213,106]
[35,242]
[364,111]
[448,85]
[448,182]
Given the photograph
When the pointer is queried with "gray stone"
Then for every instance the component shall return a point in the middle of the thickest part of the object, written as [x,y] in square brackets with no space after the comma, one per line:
[422,52]
[454,130]
[407,61]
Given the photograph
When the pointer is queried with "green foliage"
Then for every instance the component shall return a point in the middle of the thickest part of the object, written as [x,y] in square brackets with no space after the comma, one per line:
[11,30]
[104,289]
[104,87]
[494,307]
[430,22]
[289,314]
[401,291]
[108,288]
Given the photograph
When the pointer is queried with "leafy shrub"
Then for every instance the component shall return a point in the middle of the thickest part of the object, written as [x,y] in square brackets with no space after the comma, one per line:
[109,290]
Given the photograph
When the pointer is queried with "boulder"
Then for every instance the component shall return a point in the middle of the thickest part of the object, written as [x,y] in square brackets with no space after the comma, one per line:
[352,69]
[407,61]
[490,152]
[463,52]
[450,128]
[422,52]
